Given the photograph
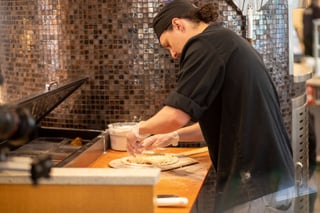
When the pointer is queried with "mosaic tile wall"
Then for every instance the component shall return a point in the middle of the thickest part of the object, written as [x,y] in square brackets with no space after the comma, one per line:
[112,42]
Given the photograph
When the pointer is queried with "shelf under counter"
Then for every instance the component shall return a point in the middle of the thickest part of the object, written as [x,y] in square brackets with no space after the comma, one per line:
[184,181]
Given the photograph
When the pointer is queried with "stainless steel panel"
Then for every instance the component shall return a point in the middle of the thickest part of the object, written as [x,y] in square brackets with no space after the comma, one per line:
[300,132]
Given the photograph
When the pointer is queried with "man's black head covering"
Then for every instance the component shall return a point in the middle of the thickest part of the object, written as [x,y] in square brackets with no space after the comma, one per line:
[174,9]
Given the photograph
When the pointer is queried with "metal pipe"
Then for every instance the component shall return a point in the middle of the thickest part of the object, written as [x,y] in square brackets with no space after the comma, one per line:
[51,85]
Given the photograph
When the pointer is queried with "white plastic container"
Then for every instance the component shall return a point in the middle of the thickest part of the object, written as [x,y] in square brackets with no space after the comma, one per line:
[118,132]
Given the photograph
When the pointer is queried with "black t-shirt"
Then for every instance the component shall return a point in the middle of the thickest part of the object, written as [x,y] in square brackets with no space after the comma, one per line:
[224,85]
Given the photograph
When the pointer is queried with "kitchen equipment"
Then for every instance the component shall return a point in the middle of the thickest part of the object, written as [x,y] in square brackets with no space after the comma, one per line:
[249,9]
[56,142]
[243,5]
[171,200]
[16,124]
[118,132]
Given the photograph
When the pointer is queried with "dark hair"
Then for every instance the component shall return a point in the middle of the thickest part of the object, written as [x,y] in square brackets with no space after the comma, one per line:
[183,9]
[206,13]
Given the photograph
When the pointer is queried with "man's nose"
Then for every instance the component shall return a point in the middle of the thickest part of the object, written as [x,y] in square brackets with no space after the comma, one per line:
[173,54]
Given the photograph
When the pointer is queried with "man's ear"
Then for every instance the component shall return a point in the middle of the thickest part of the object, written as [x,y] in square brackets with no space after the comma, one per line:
[177,24]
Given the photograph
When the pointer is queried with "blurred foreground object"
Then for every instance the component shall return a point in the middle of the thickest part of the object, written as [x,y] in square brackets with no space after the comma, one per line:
[16,125]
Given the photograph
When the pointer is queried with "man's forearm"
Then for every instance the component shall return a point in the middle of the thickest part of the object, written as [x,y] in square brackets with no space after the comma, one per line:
[191,133]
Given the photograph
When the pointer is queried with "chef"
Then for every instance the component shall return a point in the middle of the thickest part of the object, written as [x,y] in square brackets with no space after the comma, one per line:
[225,90]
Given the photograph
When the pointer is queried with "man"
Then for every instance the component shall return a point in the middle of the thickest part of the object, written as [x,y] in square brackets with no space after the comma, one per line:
[225,89]
[311,13]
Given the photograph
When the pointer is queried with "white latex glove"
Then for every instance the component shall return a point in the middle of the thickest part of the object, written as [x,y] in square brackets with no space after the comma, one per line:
[134,140]
[133,144]
[161,140]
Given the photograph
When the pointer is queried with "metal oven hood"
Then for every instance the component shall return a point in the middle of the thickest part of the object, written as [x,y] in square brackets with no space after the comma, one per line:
[56,142]
[42,104]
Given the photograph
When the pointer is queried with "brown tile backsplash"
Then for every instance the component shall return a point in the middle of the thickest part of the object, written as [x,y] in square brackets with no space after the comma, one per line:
[112,43]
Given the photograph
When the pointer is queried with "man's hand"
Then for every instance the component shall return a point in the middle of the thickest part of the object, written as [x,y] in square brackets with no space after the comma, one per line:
[134,146]
[134,139]
[161,140]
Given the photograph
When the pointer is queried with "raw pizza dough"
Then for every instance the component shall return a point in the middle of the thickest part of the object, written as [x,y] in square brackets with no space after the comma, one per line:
[157,160]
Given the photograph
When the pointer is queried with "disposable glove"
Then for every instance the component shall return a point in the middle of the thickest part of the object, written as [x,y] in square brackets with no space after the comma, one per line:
[134,138]
[161,140]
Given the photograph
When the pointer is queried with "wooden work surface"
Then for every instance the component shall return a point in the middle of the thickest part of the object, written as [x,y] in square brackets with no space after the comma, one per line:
[183,182]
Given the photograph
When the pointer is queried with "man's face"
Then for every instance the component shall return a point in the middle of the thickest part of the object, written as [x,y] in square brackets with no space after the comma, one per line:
[174,40]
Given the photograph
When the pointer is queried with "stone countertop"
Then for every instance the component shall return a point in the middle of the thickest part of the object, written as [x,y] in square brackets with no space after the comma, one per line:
[87,176]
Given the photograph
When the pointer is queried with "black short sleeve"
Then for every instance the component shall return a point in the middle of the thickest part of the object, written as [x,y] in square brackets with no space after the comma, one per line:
[202,72]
